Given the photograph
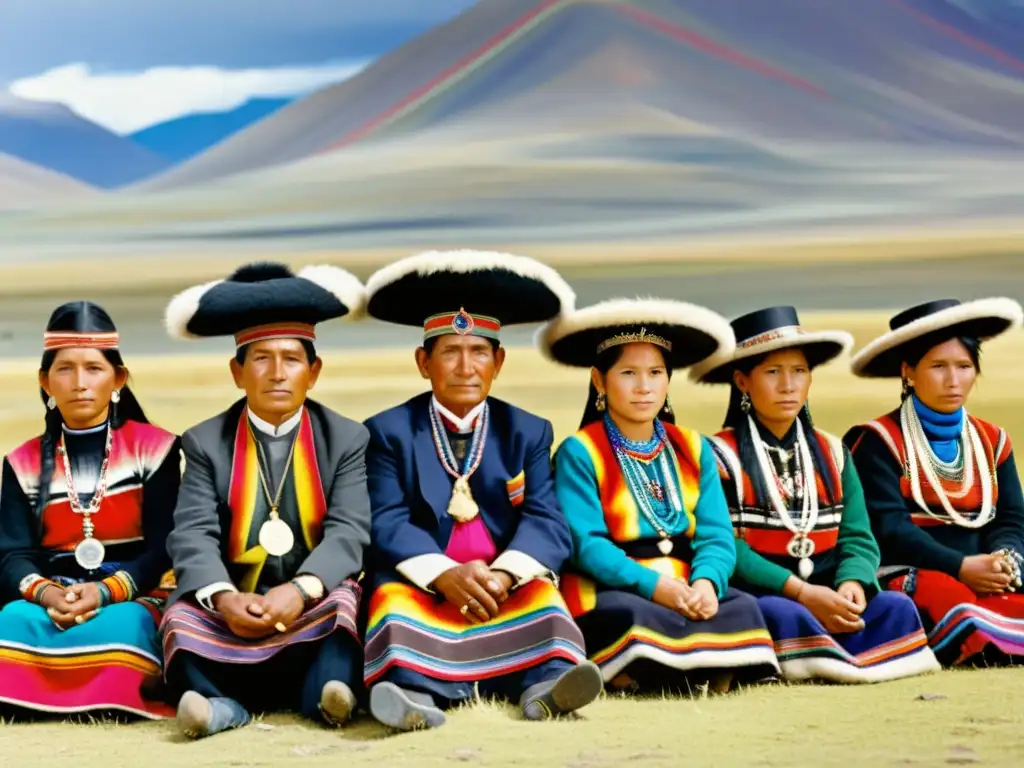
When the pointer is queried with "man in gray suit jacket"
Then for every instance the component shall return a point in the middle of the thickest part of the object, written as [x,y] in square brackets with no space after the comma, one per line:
[273,513]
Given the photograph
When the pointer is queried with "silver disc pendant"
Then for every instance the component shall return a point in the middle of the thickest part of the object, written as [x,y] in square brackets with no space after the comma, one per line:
[665,546]
[89,553]
[800,547]
[805,568]
[276,537]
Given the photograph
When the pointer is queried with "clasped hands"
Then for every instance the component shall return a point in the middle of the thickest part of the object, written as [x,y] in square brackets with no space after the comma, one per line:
[991,574]
[251,616]
[74,605]
[839,610]
[475,590]
[697,601]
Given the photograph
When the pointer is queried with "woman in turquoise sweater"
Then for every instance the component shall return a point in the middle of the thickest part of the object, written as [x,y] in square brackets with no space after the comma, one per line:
[653,545]
[804,542]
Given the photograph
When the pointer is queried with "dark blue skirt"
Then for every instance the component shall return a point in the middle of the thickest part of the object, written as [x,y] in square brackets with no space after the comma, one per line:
[892,644]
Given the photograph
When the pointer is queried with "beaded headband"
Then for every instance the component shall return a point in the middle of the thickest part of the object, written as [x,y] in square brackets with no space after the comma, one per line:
[303,331]
[90,339]
[785,332]
[461,323]
[642,337]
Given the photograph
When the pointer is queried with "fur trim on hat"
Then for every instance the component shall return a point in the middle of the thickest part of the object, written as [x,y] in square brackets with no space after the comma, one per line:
[345,287]
[458,261]
[182,308]
[1000,308]
[617,313]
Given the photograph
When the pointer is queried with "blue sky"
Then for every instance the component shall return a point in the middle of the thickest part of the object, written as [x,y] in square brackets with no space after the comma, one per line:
[131,63]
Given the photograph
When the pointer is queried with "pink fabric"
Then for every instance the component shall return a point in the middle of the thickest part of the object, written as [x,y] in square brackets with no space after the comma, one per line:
[471,541]
[80,688]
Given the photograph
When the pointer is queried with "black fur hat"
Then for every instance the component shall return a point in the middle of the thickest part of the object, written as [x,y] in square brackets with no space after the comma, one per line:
[265,300]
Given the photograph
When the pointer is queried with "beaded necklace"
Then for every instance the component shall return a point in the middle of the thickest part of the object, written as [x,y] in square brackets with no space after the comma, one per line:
[661,506]
[462,507]
[920,457]
[89,552]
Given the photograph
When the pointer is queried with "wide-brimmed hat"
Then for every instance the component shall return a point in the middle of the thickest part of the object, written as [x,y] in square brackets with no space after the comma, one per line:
[770,330]
[935,322]
[686,333]
[265,300]
[467,292]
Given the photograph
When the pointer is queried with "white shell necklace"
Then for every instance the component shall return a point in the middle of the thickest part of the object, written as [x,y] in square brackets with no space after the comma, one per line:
[916,447]
[800,546]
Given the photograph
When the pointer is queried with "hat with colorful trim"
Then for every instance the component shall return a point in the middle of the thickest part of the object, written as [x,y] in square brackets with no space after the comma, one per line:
[467,293]
[685,333]
[771,330]
[264,301]
[933,323]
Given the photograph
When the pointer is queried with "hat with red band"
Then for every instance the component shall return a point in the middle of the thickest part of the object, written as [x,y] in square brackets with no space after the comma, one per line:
[264,301]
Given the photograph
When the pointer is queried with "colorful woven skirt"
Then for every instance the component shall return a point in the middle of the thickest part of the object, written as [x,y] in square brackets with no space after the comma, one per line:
[417,631]
[189,627]
[892,644]
[107,663]
[624,630]
[960,624]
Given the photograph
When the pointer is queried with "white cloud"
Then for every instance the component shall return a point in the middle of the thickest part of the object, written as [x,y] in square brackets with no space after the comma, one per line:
[126,102]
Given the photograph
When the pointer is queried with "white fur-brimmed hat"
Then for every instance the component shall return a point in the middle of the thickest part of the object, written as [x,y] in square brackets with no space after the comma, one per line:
[686,333]
[467,292]
[265,300]
[770,330]
[935,321]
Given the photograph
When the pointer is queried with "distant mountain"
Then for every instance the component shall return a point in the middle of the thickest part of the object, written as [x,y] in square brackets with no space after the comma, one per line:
[23,185]
[187,136]
[54,137]
[911,73]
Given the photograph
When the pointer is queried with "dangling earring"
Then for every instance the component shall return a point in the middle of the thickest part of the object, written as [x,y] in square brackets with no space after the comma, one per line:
[668,404]
[908,390]
[600,402]
[745,402]
[115,396]
[51,402]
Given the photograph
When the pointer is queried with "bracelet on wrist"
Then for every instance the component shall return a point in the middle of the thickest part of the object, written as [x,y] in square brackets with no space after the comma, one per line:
[306,599]
[32,586]
[120,586]
[106,598]
[38,596]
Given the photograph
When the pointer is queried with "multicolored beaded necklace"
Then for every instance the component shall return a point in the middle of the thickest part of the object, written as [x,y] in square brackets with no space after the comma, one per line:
[661,505]
[89,552]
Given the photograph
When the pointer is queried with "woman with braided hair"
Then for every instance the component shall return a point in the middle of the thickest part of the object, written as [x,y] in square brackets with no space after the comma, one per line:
[85,509]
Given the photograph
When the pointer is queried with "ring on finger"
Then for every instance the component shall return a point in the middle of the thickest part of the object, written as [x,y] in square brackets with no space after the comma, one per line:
[464,609]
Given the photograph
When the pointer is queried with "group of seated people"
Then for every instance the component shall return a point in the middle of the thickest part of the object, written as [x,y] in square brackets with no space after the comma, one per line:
[303,561]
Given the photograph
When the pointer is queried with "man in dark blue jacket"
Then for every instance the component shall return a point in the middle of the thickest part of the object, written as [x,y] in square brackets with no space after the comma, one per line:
[468,537]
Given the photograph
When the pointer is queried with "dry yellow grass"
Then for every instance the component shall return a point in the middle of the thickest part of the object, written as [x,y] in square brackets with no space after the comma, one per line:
[977,715]
[966,716]
[145,270]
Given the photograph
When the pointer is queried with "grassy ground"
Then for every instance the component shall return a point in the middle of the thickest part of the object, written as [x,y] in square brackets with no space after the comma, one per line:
[950,717]
[963,717]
